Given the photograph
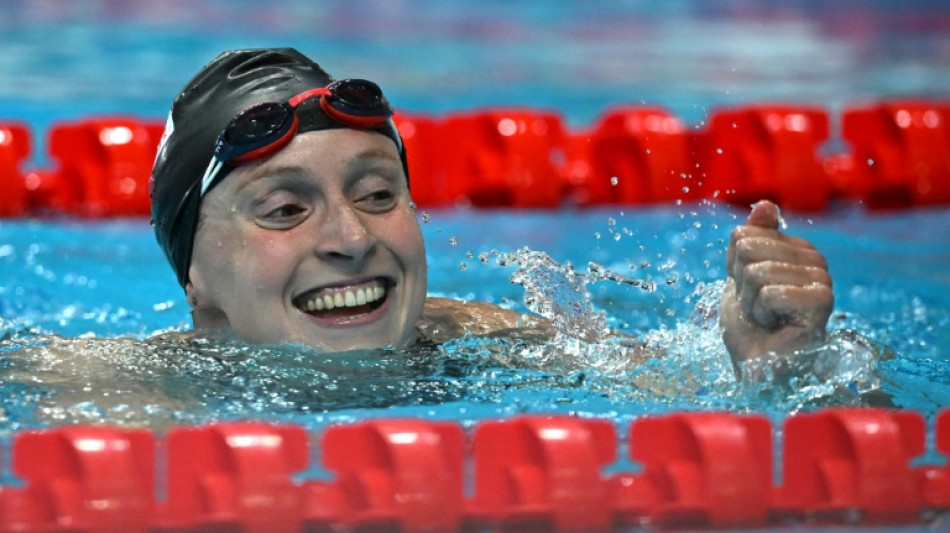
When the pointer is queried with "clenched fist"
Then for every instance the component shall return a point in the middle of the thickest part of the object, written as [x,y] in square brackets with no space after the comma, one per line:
[778,295]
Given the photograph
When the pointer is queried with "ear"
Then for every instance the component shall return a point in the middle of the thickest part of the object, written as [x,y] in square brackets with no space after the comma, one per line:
[205,312]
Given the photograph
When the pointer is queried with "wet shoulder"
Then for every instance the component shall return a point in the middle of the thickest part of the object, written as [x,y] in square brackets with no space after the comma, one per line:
[444,319]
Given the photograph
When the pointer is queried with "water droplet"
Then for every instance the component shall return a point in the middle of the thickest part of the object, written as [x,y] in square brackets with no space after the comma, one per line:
[425,217]
[453,241]
[614,181]
[462,266]
[685,189]
[484,257]
[718,150]
[870,162]
[611,222]
[469,254]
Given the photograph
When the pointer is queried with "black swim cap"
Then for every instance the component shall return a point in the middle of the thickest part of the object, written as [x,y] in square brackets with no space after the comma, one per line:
[222,89]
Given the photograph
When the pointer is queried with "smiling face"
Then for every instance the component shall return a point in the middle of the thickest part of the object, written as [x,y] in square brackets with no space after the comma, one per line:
[317,244]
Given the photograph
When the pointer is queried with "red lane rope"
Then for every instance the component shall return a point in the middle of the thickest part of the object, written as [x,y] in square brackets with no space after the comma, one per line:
[889,154]
[697,470]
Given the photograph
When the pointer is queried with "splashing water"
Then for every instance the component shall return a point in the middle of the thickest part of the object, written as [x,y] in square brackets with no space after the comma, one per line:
[558,293]
[687,362]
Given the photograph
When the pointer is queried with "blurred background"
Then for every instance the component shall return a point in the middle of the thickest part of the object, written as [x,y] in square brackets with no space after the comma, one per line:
[65,59]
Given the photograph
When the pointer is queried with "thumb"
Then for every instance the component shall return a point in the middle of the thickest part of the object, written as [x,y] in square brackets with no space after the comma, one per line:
[765,214]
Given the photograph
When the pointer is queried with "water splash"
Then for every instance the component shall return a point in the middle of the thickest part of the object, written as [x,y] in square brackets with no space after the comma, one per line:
[687,363]
[840,371]
[599,272]
[558,293]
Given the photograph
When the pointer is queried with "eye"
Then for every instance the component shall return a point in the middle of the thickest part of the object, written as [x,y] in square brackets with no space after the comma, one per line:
[378,200]
[284,216]
[285,211]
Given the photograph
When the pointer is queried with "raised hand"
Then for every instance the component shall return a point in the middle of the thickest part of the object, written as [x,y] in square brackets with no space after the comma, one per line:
[778,295]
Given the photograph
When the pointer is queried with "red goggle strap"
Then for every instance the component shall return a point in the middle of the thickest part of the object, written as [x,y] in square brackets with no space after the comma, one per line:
[319,91]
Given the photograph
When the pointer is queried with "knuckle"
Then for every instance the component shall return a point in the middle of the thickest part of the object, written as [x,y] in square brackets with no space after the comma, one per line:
[757,272]
[746,246]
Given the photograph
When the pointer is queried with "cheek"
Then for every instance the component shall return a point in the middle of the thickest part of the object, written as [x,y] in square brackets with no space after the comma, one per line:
[405,237]
[242,263]
[265,258]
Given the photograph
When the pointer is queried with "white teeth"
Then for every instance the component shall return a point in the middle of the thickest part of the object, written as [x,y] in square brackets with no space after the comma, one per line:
[351,297]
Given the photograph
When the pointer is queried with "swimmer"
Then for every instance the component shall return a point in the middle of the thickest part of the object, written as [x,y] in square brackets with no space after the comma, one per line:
[282,200]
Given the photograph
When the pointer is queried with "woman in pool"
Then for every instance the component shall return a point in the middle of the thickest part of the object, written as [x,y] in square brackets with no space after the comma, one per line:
[281,199]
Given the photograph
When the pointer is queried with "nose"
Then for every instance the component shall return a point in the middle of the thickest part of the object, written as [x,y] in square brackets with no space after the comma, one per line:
[344,235]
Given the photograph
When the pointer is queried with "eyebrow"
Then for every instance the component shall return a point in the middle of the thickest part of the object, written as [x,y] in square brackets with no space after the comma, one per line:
[369,155]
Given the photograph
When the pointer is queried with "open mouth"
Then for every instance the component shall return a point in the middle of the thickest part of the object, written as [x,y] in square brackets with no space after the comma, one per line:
[345,304]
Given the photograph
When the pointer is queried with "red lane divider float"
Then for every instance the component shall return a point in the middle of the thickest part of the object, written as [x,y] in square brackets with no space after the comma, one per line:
[894,154]
[857,463]
[81,479]
[766,152]
[234,477]
[394,475]
[104,165]
[633,155]
[705,469]
[14,149]
[901,153]
[543,473]
[696,470]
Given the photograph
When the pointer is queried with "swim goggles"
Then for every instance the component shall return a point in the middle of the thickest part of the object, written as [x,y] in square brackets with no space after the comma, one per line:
[264,128]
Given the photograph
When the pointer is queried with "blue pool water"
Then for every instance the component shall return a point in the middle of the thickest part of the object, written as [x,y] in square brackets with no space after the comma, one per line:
[66,280]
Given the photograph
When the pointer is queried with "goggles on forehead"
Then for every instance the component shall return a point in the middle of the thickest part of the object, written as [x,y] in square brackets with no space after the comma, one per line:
[264,128]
